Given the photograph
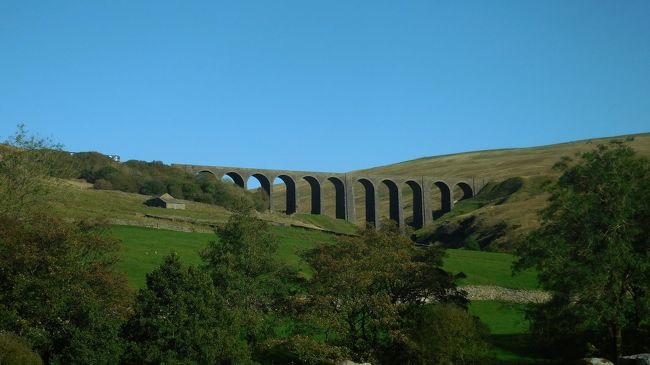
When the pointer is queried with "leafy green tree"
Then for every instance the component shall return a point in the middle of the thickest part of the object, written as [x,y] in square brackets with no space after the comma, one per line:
[59,289]
[175,188]
[592,252]
[244,268]
[366,291]
[181,318]
[27,164]
[446,334]
[153,187]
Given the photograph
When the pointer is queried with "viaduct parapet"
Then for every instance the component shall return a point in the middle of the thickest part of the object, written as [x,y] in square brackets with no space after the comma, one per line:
[343,184]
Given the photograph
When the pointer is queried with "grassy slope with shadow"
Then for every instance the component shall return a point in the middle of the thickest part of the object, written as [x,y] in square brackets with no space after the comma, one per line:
[328,223]
[517,214]
[488,268]
[511,342]
[468,221]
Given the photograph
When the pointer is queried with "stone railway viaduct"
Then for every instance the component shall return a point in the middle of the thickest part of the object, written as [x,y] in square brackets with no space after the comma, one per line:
[421,187]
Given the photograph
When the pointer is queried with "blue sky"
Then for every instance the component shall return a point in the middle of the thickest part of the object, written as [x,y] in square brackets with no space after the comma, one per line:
[321,85]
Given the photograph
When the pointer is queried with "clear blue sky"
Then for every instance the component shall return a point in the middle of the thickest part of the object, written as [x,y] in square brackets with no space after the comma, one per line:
[321,85]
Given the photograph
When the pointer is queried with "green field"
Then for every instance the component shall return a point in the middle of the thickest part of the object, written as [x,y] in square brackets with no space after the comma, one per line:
[488,268]
[144,248]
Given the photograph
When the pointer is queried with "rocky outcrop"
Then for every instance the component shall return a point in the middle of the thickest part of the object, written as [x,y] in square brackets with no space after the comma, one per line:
[594,361]
[489,292]
[638,359]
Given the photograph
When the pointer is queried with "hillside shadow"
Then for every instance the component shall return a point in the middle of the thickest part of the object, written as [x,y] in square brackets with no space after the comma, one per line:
[518,349]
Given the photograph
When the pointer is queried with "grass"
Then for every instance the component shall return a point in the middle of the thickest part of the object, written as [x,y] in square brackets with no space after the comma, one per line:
[144,248]
[78,200]
[509,332]
[501,318]
[488,268]
[328,223]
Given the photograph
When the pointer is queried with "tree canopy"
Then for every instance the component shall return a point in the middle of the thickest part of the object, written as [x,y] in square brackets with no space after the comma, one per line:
[592,252]
[245,269]
[367,293]
[59,288]
[181,318]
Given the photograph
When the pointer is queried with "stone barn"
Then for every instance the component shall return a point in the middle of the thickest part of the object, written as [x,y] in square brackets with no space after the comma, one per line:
[166,201]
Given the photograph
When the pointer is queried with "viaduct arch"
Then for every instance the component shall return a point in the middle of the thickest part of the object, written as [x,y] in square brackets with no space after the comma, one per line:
[344,192]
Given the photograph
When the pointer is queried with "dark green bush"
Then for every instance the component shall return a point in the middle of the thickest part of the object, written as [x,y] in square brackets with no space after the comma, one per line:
[447,334]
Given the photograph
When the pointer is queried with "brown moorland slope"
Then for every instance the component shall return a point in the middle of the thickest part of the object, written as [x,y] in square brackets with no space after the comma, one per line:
[489,218]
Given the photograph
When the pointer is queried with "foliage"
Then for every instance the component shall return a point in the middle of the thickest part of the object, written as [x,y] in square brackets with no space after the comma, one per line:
[156,178]
[246,271]
[180,318]
[59,289]
[37,159]
[366,289]
[301,349]
[446,334]
[592,251]
[16,351]
[25,162]
[471,243]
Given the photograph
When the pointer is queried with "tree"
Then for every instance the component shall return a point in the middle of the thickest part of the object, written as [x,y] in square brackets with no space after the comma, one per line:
[592,253]
[367,290]
[26,163]
[59,289]
[180,318]
[446,335]
[244,268]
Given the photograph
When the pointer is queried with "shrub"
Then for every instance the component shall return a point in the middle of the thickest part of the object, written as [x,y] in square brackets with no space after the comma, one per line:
[103,184]
[447,334]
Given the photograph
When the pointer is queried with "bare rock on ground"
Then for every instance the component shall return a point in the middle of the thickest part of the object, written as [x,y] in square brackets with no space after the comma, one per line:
[594,361]
[638,359]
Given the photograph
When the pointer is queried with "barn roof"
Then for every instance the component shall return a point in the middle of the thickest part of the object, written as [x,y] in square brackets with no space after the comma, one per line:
[169,199]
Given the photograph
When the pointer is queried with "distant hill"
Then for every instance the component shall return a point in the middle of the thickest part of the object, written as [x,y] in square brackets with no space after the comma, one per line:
[505,209]
[501,164]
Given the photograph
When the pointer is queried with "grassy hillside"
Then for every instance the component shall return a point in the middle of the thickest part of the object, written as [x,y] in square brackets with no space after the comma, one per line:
[494,221]
[513,216]
[503,163]
[144,248]
[77,199]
